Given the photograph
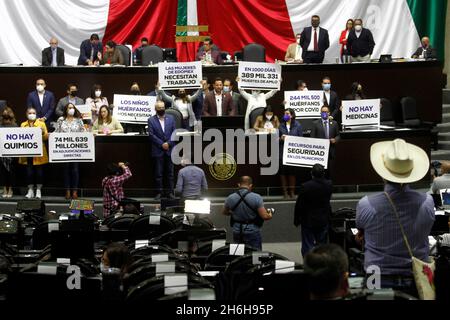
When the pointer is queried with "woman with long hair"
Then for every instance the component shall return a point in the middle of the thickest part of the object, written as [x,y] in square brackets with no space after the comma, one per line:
[7,165]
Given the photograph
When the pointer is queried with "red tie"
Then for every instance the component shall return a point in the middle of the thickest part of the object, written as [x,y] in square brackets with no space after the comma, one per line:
[316,45]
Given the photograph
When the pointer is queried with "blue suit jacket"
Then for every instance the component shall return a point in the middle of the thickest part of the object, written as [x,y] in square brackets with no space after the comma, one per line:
[48,105]
[158,137]
[85,51]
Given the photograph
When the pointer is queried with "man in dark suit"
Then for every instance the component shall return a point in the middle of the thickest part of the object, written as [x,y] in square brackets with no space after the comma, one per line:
[53,56]
[160,129]
[137,54]
[325,128]
[331,99]
[425,51]
[314,41]
[239,103]
[43,101]
[217,103]
[209,53]
[360,42]
[313,209]
[90,51]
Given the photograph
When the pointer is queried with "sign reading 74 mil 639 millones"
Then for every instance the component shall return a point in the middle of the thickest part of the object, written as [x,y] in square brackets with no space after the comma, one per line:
[71,147]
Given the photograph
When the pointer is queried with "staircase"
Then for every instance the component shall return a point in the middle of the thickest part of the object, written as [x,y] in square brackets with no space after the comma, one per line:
[444,130]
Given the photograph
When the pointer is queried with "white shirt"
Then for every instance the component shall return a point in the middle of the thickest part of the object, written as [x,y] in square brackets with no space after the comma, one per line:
[311,44]
[162,122]
[218,98]
[255,102]
[358,33]
[182,107]
[288,127]
[298,52]
[346,37]
[41,98]
[268,125]
[327,96]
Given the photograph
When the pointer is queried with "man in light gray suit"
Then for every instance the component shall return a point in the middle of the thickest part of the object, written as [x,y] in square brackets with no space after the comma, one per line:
[72,96]
[239,103]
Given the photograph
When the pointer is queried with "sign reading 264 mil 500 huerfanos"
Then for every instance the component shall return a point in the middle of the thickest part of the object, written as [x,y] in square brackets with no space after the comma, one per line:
[21,142]
[71,147]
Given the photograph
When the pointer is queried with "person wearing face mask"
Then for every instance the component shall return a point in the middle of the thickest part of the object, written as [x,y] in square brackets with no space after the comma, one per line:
[96,100]
[43,101]
[106,124]
[34,166]
[425,51]
[256,99]
[70,122]
[326,128]
[267,122]
[7,165]
[345,54]
[301,86]
[53,56]
[160,129]
[357,92]
[294,51]
[218,103]
[314,41]
[360,42]
[331,99]
[289,127]
[72,97]
[183,103]
[239,103]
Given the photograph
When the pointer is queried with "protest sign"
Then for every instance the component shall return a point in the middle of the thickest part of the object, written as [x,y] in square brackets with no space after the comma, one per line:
[71,147]
[21,142]
[306,104]
[361,112]
[133,109]
[259,75]
[187,75]
[305,152]
[85,110]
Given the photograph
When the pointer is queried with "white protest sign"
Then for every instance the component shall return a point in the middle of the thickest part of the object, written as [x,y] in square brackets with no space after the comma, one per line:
[71,147]
[361,112]
[259,75]
[306,104]
[85,111]
[305,152]
[133,109]
[174,75]
[21,142]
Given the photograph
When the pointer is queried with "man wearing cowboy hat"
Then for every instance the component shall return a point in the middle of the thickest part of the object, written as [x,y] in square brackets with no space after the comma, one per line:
[398,163]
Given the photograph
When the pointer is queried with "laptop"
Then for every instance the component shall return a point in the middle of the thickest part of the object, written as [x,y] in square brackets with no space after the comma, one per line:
[385,58]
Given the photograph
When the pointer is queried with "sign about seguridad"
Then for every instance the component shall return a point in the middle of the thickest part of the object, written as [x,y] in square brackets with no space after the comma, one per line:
[306,104]
[133,109]
[21,142]
[305,152]
[361,112]
[259,75]
[71,147]
[177,75]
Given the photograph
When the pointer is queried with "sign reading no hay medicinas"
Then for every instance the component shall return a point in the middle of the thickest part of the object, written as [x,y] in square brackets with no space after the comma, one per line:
[21,142]
[306,104]
[133,109]
[305,152]
[361,112]
[259,75]
[177,75]
[71,147]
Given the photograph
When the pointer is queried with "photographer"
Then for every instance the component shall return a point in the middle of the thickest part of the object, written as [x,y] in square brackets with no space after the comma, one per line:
[247,212]
[112,185]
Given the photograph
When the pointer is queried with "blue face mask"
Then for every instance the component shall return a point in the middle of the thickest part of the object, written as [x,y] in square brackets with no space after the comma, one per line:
[286,117]
[326,86]
[324,115]
[226,89]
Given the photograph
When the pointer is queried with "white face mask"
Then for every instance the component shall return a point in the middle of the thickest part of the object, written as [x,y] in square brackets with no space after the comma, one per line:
[358,28]
[40,88]
[71,112]
[98,93]
[31,116]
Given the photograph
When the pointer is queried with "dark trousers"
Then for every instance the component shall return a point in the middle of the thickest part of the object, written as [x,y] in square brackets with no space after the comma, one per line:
[163,174]
[312,237]
[35,174]
[313,57]
[71,175]
[7,178]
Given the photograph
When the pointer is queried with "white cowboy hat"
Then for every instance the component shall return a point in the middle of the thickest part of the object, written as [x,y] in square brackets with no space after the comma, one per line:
[398,161]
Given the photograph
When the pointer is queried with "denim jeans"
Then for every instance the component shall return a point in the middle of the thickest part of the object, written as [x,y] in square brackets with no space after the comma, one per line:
[250,235]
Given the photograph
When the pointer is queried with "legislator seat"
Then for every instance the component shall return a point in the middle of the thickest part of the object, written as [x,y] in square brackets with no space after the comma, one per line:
[254,52]
[126,53]
[151,55]
[386,113]
[253,115]
[177,117]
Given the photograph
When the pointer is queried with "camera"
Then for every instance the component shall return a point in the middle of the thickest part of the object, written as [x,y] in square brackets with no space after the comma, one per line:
[271,210]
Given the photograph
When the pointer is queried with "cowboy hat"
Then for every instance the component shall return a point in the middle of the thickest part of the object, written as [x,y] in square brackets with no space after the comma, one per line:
[398,161]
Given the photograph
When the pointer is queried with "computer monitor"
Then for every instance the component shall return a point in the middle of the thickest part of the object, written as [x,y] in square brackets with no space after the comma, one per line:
[82,205]
[385,58]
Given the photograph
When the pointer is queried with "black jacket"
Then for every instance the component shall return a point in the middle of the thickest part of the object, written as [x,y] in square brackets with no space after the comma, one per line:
[323,42]
[334,105]
[429,54]
[313,208]
[47,57]
[361,46]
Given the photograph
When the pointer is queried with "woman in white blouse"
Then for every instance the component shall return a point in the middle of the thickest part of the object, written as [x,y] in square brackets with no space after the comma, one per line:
[96,100]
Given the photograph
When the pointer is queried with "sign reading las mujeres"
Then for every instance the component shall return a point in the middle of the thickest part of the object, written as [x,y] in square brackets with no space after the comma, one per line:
[21,142]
